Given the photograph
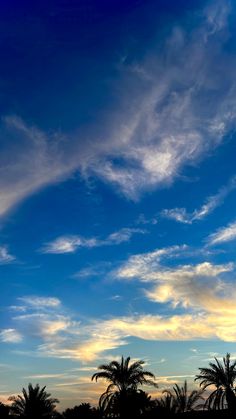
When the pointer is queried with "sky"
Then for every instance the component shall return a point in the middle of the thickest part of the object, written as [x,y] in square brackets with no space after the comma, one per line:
[117,190]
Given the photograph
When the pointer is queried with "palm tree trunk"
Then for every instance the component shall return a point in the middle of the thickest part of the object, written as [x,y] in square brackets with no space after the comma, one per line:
[231,399]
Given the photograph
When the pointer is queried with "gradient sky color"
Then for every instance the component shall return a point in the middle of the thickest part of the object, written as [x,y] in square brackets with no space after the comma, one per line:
[117,189]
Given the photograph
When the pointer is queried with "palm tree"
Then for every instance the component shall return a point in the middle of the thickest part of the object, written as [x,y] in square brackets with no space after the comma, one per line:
[182,400]
[83,411]
[35,403]
[131,404]
[124,379]
[222,376]
[166,404]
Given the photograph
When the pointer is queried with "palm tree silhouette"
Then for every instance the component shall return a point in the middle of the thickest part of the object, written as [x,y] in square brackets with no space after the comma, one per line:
[133,403]
[34,403]
[166,404]
[183,401]
[124,379]
[222,376]
[83,411]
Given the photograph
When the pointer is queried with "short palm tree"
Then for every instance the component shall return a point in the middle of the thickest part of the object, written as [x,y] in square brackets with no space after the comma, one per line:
[84,411]
[124,379]
[182,399]
[222,376]
[34,403]
[166,404]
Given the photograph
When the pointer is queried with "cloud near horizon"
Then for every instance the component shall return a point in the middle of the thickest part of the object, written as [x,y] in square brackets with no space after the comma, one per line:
[167,125]
[203,291]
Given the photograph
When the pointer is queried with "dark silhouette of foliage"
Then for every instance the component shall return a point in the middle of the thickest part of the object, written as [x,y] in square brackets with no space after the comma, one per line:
[4,411]
[124,399]
[222,376]
[180,400]
[124,379]
[35,403]
[124,376]
[83,411]
[166,404]
[131,403]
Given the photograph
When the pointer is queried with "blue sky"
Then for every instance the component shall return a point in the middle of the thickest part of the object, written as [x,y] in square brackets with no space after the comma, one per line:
[117,190]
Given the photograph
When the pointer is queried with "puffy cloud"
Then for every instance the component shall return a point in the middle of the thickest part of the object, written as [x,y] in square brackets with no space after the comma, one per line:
[111,334]
[223,235]
[43,324]
[194,286]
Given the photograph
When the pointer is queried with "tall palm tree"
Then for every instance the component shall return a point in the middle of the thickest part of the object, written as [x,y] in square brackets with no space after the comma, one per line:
[124,379]
[183,401]
[222,376]
[35,403]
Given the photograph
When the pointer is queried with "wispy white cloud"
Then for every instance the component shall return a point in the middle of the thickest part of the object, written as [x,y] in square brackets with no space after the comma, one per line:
[38,302]
[167,124]
[10,336]
[69,244]
[30,160]
[140,265]
[5,256]
[143,220]
[216,14]
[97,269]
[43,376]
[181,215]
[123,235]
[223,235]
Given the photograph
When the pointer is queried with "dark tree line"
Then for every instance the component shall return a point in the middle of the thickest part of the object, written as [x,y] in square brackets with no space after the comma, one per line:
[124,398]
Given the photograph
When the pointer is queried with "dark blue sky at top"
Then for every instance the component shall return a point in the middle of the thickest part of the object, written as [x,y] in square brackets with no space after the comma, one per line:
[60,59]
